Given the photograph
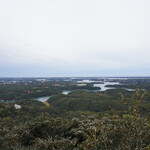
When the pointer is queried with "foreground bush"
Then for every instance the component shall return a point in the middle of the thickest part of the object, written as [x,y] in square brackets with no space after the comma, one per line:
[92,133]
[128,131]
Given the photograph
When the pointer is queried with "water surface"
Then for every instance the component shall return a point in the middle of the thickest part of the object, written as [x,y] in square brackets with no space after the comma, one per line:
[42,99]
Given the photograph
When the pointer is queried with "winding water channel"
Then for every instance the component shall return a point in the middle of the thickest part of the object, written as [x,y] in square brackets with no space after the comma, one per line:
[66,92]
[101,85]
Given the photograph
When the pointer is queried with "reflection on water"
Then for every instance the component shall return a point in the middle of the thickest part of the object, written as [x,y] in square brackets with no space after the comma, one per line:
[130,89]
[87,81]
[66,92]
[102,86]
[42,99]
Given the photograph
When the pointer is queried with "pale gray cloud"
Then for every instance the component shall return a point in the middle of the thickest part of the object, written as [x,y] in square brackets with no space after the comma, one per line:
[75,36]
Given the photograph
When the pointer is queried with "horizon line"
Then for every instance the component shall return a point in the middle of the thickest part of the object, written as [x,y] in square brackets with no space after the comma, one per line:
[79,77]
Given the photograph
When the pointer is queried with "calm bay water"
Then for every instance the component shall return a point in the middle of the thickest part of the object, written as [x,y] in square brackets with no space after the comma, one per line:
[103,86]
[42,99]
[66,92]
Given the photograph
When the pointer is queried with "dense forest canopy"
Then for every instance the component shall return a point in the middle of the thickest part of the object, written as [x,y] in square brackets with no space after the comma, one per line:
[85,118]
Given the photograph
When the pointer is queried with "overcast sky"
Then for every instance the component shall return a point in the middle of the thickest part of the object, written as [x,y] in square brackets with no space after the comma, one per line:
[74,38]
